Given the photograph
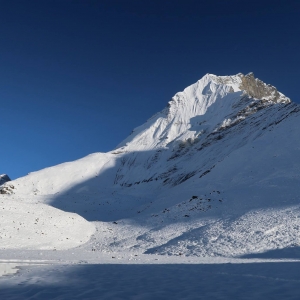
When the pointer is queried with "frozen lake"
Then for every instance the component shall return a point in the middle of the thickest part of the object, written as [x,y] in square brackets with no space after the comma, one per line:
[267,280]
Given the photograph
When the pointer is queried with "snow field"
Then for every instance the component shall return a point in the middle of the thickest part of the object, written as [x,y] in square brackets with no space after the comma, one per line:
[40,226]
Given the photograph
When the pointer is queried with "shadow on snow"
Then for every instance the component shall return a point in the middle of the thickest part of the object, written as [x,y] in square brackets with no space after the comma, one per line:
[258,281]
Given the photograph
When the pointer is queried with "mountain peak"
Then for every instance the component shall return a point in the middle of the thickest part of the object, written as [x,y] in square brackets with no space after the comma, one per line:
[201,107]
[252,86]
[259,90]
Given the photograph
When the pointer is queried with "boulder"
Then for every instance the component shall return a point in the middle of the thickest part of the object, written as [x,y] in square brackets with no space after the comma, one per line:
[4,178]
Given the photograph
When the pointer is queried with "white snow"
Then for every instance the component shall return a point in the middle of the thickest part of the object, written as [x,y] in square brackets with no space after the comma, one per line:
[39,226]
[214,174]
[264,280]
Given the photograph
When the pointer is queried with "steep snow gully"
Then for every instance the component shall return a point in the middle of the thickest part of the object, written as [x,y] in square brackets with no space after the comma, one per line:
[215,173]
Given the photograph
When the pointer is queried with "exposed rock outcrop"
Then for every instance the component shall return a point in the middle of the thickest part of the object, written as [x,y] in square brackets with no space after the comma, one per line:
[259,90]
[5,188]
[4,178]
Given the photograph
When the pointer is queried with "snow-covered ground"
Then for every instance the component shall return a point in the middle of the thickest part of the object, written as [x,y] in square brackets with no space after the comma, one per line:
[35,225]
[264,280]
[211,179]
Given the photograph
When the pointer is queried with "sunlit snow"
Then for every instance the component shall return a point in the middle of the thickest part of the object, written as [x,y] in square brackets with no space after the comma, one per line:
[214,175]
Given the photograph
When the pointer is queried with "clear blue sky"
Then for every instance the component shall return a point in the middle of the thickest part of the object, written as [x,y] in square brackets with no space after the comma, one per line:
[78,76]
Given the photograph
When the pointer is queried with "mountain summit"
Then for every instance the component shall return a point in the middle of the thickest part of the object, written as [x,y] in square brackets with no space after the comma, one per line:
[213,97]
[215,173]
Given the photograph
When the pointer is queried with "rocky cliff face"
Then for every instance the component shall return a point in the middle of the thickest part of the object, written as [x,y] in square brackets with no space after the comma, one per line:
[259,90]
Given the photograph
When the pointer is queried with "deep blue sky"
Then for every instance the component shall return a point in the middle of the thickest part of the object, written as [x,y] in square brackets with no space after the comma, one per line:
[77,76]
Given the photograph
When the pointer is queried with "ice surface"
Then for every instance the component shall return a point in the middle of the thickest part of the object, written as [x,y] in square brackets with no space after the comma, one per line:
[258,281]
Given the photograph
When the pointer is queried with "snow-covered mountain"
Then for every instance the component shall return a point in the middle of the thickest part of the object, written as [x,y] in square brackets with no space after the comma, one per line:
[214,173]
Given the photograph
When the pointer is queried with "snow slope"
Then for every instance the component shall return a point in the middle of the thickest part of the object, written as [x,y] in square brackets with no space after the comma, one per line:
[215,173]
[39,226]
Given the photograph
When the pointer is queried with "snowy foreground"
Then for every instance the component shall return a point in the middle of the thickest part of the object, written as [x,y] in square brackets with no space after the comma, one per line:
[200,202]
[239,280]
